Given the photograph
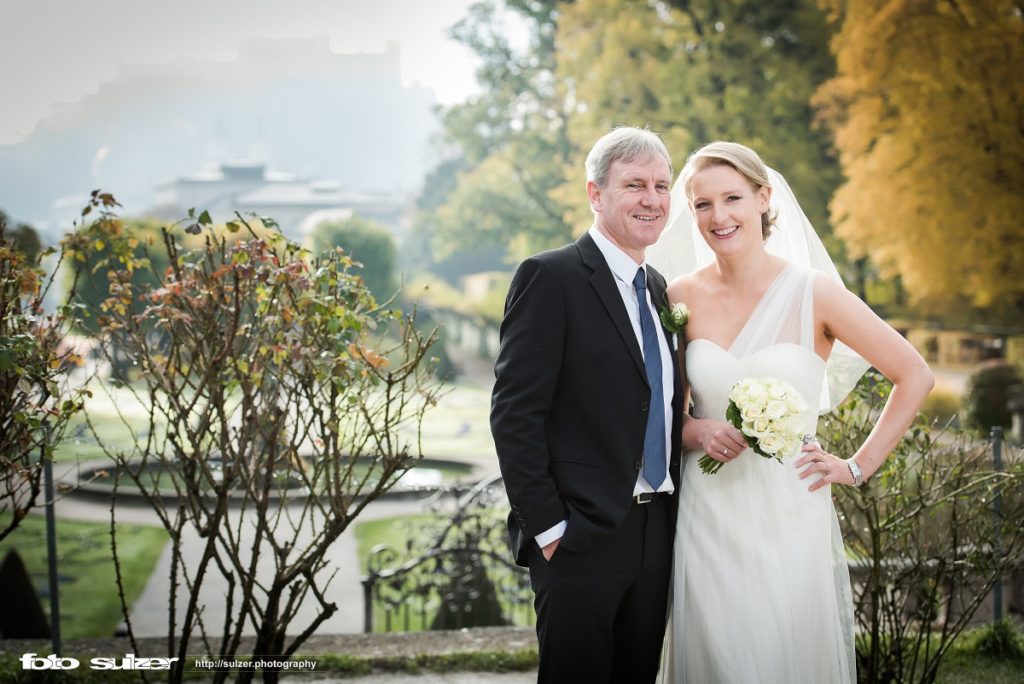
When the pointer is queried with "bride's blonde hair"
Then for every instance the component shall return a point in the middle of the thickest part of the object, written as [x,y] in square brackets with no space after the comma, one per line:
[742,159]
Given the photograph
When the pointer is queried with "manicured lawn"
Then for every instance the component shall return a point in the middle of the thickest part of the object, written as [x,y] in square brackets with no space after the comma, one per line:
[89,602]
[962,667]
[81,445]
[395,532]
[111,410]
[458,426]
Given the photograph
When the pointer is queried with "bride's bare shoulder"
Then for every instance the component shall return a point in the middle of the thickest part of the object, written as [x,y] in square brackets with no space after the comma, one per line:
[686,286]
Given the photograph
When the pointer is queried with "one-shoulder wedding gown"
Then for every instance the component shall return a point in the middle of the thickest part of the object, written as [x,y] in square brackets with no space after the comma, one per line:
[761,591]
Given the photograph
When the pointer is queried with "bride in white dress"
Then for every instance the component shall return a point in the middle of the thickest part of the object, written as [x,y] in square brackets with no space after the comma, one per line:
[761,591]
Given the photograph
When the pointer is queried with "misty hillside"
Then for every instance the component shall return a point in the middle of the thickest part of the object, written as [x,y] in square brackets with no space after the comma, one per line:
[291,104]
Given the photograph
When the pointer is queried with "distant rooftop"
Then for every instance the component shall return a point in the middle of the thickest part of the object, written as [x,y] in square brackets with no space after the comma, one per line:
[296,202]
[251,171]
[314,193]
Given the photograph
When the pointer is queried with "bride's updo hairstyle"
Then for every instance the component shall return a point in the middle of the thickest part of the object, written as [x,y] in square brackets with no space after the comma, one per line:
[744,160]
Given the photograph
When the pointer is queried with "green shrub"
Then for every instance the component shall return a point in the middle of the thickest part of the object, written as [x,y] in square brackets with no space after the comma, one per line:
[920,534]
[988,392]
[1000,640]
[262,366]
[369,243]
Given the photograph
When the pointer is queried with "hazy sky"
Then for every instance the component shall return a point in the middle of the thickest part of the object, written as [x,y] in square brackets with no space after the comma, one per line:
[58,50]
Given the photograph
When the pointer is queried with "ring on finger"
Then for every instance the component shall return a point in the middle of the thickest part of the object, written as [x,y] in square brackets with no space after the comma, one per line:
[725,451]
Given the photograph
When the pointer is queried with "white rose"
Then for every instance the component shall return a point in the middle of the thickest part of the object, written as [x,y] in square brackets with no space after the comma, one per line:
[760,426]
[749,412]
[680,314]
[771,444]
[758,395]
[741,386]
[741,395]
[775,409]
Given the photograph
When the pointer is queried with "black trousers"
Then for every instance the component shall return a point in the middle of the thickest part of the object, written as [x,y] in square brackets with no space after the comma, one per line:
[601,613]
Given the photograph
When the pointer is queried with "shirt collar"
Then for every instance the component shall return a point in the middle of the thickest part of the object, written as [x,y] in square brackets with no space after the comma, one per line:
[620,263]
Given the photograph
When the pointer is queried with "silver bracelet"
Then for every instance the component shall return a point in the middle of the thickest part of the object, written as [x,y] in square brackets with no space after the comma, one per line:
[858,474]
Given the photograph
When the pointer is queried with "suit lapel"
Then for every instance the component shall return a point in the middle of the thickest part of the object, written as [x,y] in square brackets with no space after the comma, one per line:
[603,282]
[660,300]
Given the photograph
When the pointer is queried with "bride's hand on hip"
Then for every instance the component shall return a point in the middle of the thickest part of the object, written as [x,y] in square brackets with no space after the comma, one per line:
[719,439]
[831,468]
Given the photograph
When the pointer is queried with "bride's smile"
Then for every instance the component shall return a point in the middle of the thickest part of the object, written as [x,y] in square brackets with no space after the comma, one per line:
[724,232]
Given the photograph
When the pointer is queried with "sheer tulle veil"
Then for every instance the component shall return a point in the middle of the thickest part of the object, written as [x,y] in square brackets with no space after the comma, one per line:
[681,250]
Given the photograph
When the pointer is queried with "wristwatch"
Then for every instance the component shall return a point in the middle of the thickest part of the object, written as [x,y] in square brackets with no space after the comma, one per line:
[858,474]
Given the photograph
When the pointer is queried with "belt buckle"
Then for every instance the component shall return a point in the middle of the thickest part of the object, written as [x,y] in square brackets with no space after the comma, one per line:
[645,497]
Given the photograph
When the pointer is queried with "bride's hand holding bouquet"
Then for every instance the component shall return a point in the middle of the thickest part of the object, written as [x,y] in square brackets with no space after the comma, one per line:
[767,413]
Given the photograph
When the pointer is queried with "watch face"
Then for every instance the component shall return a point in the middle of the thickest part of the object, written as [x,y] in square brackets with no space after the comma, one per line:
[858,474]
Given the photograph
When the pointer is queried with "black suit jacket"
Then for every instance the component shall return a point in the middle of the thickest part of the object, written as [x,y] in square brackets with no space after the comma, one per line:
[570,401]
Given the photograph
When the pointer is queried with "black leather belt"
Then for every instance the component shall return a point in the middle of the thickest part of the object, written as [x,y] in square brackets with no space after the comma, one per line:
[648,497]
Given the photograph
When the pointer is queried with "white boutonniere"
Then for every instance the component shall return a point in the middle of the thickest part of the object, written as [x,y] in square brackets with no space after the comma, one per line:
[674,318]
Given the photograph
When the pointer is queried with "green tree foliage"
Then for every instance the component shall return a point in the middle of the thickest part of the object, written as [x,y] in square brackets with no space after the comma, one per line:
[927,115]
[697,71]
[88,268]
[369,243]
[509,143]
[693,71]
[23,238]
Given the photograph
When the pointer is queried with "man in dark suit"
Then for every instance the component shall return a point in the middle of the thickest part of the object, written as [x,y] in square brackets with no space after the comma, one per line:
[586,418]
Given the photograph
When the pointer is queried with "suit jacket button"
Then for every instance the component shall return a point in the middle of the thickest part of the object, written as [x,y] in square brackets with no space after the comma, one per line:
[644,405]
[637,465]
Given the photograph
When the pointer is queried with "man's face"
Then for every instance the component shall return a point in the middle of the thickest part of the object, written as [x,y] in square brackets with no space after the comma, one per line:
[632,209]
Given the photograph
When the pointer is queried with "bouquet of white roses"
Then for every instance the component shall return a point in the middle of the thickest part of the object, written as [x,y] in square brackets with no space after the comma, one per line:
[767,411]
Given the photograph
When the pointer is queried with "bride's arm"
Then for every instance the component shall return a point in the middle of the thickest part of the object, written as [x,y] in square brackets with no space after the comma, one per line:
[841,315]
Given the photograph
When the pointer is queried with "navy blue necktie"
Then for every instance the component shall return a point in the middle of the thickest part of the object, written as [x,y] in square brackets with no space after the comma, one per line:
[654,439]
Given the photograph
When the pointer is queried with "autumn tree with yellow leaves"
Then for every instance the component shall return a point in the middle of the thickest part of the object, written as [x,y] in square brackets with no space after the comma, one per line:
[927,109]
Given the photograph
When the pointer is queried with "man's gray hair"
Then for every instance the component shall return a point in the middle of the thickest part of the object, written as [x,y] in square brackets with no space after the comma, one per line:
[626,144]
